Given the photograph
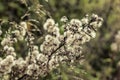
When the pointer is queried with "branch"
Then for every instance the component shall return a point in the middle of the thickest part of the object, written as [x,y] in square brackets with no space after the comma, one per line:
[49,57]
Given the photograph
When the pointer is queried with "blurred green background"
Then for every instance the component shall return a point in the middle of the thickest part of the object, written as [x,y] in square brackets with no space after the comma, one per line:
[101,63]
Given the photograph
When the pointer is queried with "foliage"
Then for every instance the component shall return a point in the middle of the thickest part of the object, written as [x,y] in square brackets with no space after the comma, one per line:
[101,61]
[30,29]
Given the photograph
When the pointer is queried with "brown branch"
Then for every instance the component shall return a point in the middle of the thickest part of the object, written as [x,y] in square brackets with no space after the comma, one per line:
[23,77]
[49,57]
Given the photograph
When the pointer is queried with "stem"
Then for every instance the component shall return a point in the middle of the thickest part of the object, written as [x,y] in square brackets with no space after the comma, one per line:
[49,57]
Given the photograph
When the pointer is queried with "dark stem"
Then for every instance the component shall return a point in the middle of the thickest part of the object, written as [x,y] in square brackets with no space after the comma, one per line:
[49,57]
[23,77]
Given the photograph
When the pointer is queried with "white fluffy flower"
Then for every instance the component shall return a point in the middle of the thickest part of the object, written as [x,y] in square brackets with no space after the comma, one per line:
[49,23]
[5,41]
[94,16]
[48,38]
[10,58]
[35,53]
[85,21]
[76,22]
[55,48]
[35,47]
[64,19]
[41,57]
[114,47]
[23,31]
[24,25]
[93,34]
[31,68]
[42,47]
[16,32]
[11,49]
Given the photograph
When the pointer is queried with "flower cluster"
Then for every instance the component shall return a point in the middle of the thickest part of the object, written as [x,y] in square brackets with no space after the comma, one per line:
[56,47]
[115,46]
